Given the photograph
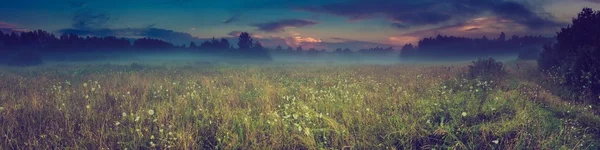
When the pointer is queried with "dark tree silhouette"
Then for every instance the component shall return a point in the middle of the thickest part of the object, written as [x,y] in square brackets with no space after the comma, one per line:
[299,49]
[245,41]
[450,46]
[502,37]
[575,58]
[279,48]
[193,45]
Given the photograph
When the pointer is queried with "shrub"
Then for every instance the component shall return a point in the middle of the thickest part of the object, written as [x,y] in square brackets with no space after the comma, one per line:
[486,69]
[574,61]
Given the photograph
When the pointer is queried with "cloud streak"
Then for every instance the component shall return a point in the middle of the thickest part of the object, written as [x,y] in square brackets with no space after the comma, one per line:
[406,14]
[281,25]
[232,19]
[9,28]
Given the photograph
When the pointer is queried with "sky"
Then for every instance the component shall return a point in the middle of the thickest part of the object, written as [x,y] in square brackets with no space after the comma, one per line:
[321,24]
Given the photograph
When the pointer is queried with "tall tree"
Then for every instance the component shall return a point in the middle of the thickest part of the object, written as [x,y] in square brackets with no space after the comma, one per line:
[502,37]
[245,41]
[193,45]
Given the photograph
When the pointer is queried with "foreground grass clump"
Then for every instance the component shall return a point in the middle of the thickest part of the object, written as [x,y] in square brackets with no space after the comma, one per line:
[282,107]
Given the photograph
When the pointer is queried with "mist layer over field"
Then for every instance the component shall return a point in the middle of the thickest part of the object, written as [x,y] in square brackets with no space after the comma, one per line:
[187,58]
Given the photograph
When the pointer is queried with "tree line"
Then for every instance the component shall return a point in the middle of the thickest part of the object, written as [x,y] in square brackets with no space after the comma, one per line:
[449,46]
[42,41]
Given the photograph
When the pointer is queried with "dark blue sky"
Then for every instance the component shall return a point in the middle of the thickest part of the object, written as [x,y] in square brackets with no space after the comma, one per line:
[311,23]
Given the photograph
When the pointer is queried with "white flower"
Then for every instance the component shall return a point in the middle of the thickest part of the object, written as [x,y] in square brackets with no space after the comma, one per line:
[1,108]
[495,141]
[87,106]
[464,114]
[117,123]
[152,137]
[150,112]
[84,84]
[87,96]
[137,118]
[124,114]
[138,130]
[93,89]
[128,92]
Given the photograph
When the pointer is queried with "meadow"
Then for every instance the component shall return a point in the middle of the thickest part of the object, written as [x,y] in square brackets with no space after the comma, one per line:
[278,106]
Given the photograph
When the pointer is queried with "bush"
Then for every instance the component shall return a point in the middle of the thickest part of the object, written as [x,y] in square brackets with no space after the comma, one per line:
[486,69]
[574,61]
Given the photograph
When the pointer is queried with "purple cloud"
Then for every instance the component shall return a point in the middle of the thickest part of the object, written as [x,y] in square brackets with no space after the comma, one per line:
[410,13]
[281,25]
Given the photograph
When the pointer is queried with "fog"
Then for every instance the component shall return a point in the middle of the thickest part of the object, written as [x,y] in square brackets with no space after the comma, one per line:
[191,58]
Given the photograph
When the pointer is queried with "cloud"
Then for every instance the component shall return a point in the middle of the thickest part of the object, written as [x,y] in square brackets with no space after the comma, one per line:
[473,28]
[281,25]
[8,28]
[317,43]
[232,19]
[298,40]
[593,1]
[407,14]
[85,19]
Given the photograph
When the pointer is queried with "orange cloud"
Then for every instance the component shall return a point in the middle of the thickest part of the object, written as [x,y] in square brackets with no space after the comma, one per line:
[401,40]
[297,40]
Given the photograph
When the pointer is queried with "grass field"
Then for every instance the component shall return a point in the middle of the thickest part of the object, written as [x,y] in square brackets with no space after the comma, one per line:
[212,106]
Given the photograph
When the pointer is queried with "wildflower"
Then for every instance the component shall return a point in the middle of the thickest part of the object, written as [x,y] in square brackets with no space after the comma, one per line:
[93,89]
[137,118]
[117,123]
[87,96]
[124,114]
[150,112]
[152,137]
[464,114]
[128,93]
[1,108]
[160,130]
[87,106]
[152,143]
[84,84]
[495,141]
[138,130]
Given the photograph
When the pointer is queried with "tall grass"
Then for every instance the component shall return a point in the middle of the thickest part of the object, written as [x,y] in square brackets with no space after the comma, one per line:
[282,107]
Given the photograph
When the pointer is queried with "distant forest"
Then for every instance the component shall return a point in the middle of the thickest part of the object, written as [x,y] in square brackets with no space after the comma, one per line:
[42,41]
[438,47]
[528,47]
